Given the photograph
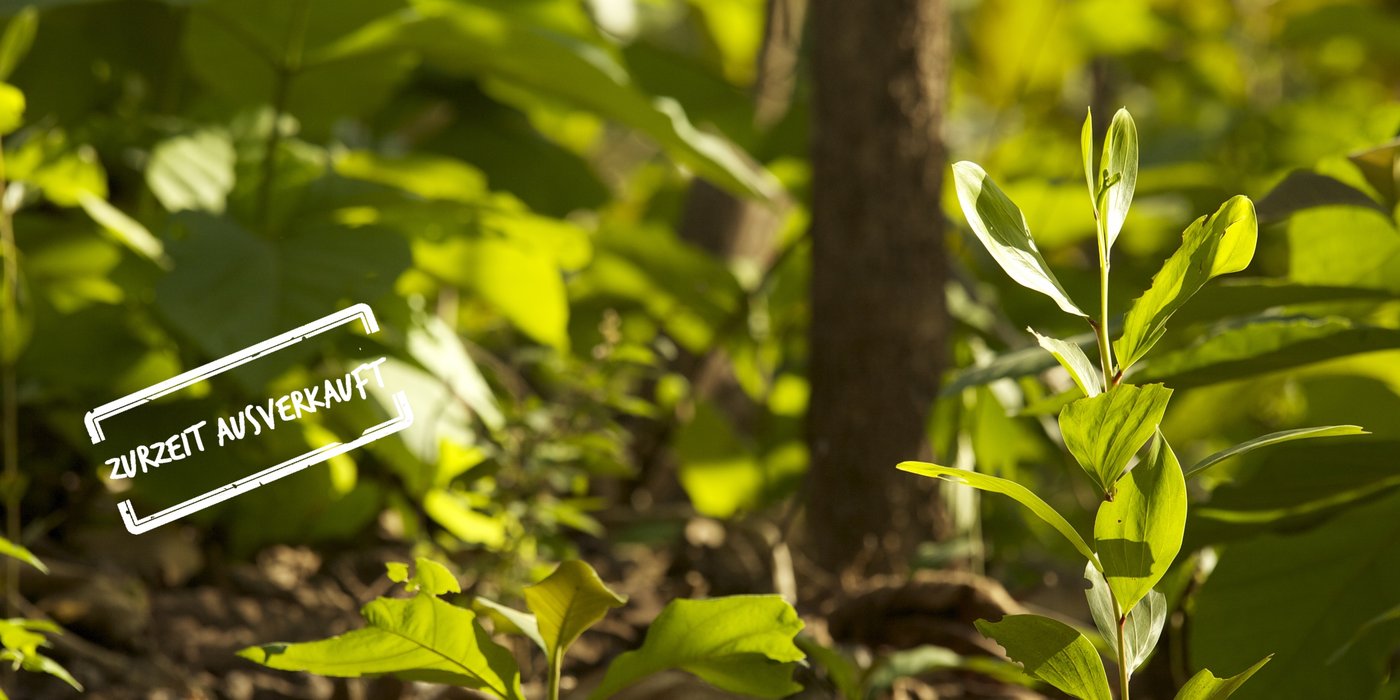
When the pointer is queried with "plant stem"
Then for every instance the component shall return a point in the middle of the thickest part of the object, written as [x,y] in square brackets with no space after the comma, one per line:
[1101,329]
[10,325]
[284,71]
[1122,660]
[556,665]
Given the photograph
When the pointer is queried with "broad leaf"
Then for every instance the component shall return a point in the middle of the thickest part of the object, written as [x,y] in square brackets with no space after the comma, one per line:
[1023,495]
[1301,597]
[1002,228]
[1274,439]
[422,638]
[1081,369]
[1144,624]
[1138,533]
[192,172]
[1206,686]
[12,106]
[15,551]
[742,644]
[1120,162]
[1212,246]
[18,37]
[567,602]
[1104,432]
[1053,652]
[428,576]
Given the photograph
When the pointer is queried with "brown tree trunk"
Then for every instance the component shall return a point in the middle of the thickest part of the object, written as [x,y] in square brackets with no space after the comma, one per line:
[878,270]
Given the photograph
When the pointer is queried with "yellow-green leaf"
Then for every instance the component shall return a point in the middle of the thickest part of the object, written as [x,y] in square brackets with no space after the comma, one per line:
[1274,439]
[1104,432]
[1053,652]
[1138,533]
[1206,686]
[11,108]
[1081,369]
[566,603]
[1120,162]
[1212,246]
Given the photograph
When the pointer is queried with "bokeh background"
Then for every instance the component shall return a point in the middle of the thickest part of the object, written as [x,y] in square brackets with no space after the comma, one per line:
[677,283]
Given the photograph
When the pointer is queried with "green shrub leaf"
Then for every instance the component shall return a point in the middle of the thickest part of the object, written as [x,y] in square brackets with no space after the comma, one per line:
[192,171]
[1103,432]
[428,576]
[1205,686]
[1053,652]
[1086,149]
[1081,369]
[1212,246]
[422,638]
[742,644]
[1144,624]
[508,620]
[1120,161]
[567,602]
[1010,488]
[15,551]
[1274,439]
[1139,532]
[1002,228]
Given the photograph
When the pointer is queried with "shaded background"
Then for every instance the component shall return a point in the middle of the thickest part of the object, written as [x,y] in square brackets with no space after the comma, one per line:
[675,284]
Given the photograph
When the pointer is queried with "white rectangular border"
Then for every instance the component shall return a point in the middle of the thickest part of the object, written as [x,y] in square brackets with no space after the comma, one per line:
[137,525]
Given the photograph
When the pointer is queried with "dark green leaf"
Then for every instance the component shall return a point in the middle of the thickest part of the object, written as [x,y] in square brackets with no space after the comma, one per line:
[18,37]
[1053,652]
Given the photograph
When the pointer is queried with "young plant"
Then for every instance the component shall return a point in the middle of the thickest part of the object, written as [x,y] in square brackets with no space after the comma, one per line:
[1141,518]
[742,644]
[21,638]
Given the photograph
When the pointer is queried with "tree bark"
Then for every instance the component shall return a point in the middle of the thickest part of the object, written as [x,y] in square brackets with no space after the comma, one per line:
[878,271]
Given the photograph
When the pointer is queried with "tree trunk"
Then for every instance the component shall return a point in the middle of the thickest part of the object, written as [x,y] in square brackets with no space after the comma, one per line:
[878,270]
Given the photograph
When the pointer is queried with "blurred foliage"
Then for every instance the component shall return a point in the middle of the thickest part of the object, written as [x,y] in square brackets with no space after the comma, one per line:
[504,183]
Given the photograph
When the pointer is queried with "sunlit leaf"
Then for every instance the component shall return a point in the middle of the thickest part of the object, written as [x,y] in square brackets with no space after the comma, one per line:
[15,551]
[193,171]
[428,576]
[742,644]
[1212,246]
[1141,630]
[1104,432]
[11,108]
[1021,494]
[1138,533]
[422,638]
[125,229]
[1120,162]
[1206,686]
[508,620]
[18,37]
[567,603]
[1274,439]
[1002,229]
[1086,149]
[1053,652]
[1081,369]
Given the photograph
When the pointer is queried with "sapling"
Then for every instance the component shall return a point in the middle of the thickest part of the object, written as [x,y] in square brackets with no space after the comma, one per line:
[1141,516]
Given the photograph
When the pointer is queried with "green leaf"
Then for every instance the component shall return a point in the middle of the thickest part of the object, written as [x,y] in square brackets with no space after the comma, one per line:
[11,108]
[18,37]
[508,620]
[1081,369]
[1010,488]
[422,638]
[1144,624]
[128,231]
[193,171]
[1103,432]
[569,601]
[1138,533]
[1120,162]
[1264,346]
[428,576]
[742,644]
[454,512]
[1053,652]
[1274,439]
[1086,149]
[15,551]
[1205,686]
[62,171]
[1212,246]
[1002,229]
[1300,596]
[1304,189]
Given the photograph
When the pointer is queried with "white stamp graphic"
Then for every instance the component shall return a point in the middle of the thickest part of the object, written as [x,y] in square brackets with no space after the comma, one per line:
[213,432]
